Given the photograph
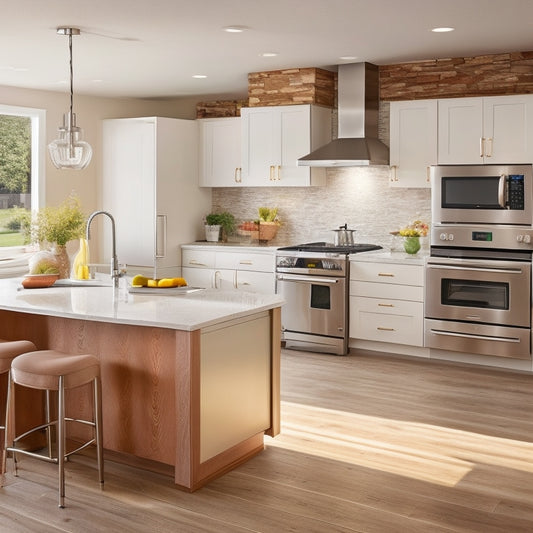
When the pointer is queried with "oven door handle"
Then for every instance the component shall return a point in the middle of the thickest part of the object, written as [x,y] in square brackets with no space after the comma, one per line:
[309,279]
[509,270]
[476,337]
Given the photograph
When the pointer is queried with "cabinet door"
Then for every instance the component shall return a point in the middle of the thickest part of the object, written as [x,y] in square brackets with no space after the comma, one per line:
[508,129]
[129,170]
[260,145]
[263,282]
[198,277]
[460,127]
[220,152]
[275,137]
[413,142]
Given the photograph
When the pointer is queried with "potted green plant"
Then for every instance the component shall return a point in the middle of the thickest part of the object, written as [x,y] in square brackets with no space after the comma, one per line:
[219,225]
[268,223]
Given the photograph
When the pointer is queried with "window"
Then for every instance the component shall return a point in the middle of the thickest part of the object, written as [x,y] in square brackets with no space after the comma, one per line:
[22,162]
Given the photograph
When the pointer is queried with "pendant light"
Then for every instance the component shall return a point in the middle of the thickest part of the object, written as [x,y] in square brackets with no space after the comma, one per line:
[69,150]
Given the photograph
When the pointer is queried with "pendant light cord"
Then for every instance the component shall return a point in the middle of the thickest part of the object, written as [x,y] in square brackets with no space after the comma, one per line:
[71,72]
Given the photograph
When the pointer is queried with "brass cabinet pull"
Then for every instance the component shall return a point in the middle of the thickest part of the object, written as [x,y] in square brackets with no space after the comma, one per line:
[238,175]
[481,146]
[428,174]
[385,305]
[246,262]
[386,274]
[489,144]
[380,328]
[271,176]
[394,173]
[278,178]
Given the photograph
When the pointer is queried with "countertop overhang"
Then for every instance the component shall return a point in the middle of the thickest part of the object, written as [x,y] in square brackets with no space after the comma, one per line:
[186,312]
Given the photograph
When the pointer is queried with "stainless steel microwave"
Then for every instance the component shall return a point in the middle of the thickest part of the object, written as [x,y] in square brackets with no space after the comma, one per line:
[481,194]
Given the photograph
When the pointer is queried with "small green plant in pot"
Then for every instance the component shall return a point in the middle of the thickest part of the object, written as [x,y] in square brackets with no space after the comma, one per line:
[226,222]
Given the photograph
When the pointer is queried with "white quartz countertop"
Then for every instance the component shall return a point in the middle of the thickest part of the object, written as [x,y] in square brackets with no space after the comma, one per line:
[387,256]
[186,312]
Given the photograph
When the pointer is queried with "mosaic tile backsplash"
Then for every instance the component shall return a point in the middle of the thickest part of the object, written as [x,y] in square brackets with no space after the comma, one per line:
[358,196]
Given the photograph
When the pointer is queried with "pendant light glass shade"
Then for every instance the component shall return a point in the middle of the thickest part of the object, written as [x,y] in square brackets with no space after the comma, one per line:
[69,150]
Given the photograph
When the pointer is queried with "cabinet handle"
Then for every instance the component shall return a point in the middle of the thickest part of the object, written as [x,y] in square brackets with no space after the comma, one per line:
[161,236]
[428,170]
[386,274]
[394,173]
[197,263]
[238,175]
[385,305]
[271,177]
[246,262]
[481,146]
[380,328]
[278,177]
[489,144]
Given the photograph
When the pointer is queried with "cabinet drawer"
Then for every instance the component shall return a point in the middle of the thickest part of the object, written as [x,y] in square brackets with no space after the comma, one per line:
[263,282]
[387,273]
[386,290]
[245,261]
[401,325]
[198,258]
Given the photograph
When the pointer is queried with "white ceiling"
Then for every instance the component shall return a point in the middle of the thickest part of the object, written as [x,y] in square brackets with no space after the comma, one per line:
[152,48]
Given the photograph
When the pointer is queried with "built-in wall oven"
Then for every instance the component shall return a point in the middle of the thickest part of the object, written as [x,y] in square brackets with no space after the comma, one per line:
[478,276]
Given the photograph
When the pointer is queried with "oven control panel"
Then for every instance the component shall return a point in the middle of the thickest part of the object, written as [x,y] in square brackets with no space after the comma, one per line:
[313,264]
[493,237]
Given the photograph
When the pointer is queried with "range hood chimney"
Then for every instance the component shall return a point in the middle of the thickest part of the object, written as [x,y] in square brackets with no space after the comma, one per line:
[358,107]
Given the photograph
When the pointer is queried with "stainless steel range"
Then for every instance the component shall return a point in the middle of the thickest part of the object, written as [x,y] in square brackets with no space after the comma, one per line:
[313,279]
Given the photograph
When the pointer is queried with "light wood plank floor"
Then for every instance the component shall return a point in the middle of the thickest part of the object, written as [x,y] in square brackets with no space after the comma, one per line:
[369,443]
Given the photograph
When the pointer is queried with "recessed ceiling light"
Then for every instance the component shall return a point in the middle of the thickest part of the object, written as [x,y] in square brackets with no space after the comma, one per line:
[443,29]
[347,58]
[199,76]
[269,54]
[235,29]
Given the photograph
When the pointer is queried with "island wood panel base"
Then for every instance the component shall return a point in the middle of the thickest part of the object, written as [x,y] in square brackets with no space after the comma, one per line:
[150,379]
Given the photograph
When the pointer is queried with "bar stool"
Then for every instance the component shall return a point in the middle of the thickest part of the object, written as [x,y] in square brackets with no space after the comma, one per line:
[8,351]
[50,370]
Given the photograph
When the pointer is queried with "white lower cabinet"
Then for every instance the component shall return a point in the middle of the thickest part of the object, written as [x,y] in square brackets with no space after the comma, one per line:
[386,302]
[247,270]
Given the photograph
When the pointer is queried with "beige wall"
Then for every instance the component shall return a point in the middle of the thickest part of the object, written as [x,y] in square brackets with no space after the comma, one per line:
[90,112]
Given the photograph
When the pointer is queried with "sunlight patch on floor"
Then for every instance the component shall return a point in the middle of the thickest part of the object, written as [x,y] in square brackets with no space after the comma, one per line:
[442,455]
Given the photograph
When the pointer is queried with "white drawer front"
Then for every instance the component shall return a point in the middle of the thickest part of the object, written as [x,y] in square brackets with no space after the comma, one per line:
[401,325]
[387,290]
[263,282]
[246,261]
[387,273]
[198,258]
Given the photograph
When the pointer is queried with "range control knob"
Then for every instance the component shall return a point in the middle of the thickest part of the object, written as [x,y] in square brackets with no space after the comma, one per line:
[519,238]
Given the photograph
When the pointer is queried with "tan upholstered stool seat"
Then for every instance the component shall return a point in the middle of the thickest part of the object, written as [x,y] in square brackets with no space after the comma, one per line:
[10,349]
[50,370]
[42,369]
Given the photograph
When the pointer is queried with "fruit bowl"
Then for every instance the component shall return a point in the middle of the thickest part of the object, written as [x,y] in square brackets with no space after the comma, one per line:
[39,281]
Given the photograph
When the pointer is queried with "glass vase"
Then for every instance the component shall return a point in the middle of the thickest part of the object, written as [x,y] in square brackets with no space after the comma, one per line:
[411,244]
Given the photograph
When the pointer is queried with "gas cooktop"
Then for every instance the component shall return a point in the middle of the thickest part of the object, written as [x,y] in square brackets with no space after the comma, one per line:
[328,247]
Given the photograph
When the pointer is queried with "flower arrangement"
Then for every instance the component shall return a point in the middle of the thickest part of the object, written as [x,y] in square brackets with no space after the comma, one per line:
[415,229]
[263,228]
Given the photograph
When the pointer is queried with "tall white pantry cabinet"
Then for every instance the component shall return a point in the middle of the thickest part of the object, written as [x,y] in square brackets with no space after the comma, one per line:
[150,187]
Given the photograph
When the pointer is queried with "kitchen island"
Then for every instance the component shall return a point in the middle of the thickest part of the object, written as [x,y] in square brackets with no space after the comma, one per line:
[190,381]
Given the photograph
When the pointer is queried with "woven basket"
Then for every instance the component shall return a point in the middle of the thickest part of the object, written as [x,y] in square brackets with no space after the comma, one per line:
[267,231]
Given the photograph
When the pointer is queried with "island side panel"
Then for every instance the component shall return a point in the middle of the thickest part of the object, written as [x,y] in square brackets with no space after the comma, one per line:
[275,409]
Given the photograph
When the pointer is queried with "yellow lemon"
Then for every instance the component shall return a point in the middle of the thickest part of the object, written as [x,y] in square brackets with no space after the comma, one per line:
[179,282]
[153,282]
[165,282]
[139,281]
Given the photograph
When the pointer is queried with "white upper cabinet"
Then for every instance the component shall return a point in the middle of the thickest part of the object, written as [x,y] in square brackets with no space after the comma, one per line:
[496,129]
[273,138]
[220,152]
[413,142]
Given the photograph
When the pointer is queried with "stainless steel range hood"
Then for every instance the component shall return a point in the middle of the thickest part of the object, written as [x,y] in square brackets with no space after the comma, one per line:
[358,107]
